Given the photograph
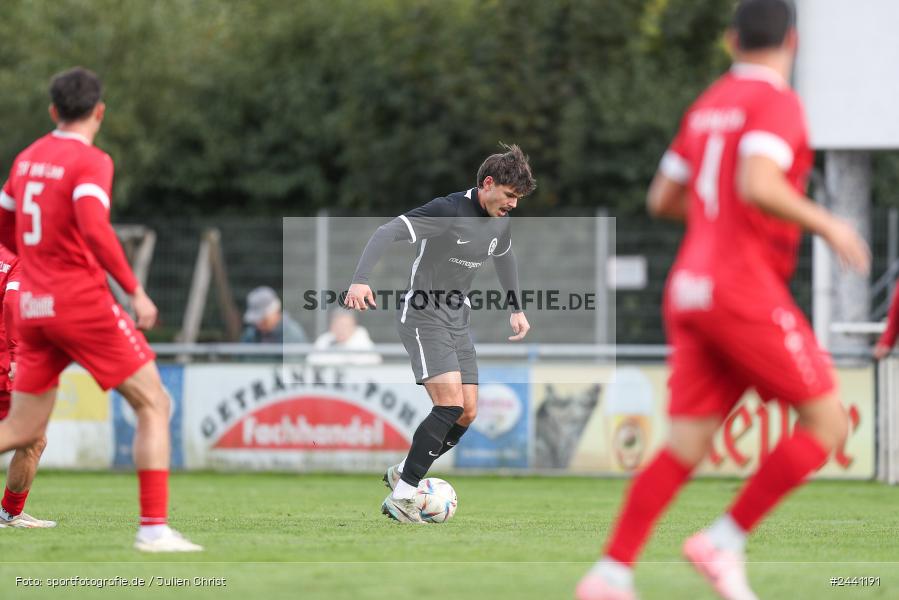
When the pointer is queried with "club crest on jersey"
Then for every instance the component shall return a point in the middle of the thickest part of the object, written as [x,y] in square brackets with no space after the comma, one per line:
[493,244]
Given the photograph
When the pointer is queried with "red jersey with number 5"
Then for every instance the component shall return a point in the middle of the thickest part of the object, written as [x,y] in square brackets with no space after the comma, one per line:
[730,244]
[59,189]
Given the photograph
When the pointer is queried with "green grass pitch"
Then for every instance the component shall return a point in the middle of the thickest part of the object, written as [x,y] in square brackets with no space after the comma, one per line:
[323,537]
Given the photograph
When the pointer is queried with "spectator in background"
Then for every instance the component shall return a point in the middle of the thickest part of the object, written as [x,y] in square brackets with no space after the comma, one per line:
[267,323]
[344,333]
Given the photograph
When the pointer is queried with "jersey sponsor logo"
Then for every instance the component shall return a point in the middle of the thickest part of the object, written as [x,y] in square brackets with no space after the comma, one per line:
[460,242]
[5,267]
[36,307]
[492,247]
[691,292]
[465,263]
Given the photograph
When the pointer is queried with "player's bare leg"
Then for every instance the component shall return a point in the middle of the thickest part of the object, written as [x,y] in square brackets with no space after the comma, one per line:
[24,428]
[717,552]
[469,413]
[651,492]
[19,477]
[27,420]
[427,442]
[147,396]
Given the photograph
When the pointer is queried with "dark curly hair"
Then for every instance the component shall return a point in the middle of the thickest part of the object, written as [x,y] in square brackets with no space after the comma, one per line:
[509,168]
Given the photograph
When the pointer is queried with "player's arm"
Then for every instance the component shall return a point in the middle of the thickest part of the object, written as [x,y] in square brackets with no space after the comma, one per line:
[7,217]
[667,197]
[765,154]
[91,198]
[761,181]
[888,338]
[668,192]
[506,266]
[424,222]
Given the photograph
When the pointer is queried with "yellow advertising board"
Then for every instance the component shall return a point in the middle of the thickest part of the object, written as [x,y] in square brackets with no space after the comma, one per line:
[585,426]
[80,398]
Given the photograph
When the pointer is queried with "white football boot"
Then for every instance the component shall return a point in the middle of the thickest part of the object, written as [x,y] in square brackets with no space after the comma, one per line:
[26,521]
[402,510]
[169,541]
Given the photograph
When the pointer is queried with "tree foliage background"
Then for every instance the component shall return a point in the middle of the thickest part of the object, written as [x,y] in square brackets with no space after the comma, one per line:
[275,106]
[287,106]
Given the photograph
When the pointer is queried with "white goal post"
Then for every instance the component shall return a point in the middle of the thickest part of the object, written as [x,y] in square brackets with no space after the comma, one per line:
[887,432]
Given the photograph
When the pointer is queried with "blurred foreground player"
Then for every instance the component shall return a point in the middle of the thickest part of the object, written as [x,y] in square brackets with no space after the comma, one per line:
[456,235]
[23,466]
[736,171]
[887,339]
[56,215]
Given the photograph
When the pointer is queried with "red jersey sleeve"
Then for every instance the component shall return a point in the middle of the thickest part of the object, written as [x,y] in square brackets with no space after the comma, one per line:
[888,338]
[675,163]
[8,216]
[91,195]
[10,305]
[776,129]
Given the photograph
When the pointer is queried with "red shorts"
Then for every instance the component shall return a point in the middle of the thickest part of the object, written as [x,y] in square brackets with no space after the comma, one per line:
[106,343]
[5,398]
[718,354]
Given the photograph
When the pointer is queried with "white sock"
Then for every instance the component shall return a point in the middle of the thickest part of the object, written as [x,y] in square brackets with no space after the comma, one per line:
[403,491]
[152,532]
[614,573]
[727,535]
[400,466]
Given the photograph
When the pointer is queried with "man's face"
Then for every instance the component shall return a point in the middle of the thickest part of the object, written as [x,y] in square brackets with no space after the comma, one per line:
[497,199]
[269,321]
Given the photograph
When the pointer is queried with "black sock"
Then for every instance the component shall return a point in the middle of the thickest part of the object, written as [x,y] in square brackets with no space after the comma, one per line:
[427,442]
[452,438]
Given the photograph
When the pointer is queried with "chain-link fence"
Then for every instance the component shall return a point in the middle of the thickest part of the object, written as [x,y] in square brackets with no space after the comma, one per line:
[253,250]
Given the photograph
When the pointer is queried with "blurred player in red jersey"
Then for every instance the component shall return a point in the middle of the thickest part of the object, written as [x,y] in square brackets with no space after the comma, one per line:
[23,466]
[736,172]
[888,338]
[56,216]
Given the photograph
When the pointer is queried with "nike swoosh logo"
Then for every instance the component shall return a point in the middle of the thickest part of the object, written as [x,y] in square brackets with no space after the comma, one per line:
[459,241]
[432,454]
[450,444]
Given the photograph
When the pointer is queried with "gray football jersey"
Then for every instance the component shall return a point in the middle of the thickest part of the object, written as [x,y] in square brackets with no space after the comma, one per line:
[453,237]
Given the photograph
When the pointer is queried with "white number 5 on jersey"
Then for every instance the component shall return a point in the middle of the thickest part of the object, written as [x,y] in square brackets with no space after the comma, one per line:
[30,207]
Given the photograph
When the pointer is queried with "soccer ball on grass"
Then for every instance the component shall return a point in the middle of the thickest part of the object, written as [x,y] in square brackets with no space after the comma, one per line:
[436,499]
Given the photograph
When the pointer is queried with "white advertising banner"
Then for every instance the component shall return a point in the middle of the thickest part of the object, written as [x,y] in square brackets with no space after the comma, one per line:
[284,417]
